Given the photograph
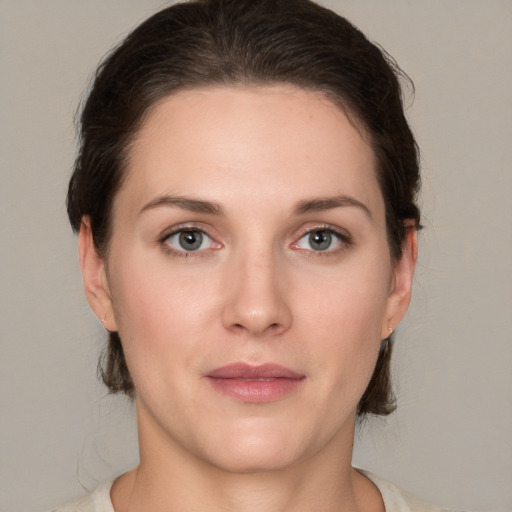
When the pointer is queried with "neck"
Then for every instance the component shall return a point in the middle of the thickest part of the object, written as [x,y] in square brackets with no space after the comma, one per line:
[170,478]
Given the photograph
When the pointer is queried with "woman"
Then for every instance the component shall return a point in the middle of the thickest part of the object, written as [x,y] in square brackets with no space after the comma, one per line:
[244,196]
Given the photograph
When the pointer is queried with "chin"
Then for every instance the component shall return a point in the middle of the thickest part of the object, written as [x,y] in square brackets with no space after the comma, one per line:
[254,459]
[258,449]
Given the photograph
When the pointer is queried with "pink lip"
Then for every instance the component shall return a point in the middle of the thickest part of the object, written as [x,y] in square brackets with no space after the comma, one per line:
[255,384]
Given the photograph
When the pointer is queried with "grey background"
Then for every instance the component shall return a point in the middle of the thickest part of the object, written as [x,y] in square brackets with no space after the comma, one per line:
[450,440]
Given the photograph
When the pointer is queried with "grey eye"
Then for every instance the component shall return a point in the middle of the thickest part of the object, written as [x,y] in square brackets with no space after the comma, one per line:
[189,240]
[320,240]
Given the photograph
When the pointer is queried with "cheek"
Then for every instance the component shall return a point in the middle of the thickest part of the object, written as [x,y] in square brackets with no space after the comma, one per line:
[348,303]
[343,316]
[161,315]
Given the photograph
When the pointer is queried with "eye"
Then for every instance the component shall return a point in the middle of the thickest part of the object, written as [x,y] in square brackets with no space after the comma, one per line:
[320,240]
[189,240]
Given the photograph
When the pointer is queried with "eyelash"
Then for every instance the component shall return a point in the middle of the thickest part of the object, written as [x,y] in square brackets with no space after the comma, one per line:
[343,238]
[163,240]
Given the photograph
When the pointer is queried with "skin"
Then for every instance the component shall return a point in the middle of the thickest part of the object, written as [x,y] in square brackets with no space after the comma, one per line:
[257,291]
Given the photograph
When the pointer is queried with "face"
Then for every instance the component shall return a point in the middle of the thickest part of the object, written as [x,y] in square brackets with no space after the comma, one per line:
[249,275]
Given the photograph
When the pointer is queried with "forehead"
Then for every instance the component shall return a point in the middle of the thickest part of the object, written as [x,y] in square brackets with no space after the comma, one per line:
[224,142]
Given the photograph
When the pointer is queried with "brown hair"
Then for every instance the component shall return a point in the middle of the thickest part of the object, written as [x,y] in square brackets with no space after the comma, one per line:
[254,42]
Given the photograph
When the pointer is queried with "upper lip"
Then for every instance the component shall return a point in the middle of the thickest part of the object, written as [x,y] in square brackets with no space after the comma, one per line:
[247,371]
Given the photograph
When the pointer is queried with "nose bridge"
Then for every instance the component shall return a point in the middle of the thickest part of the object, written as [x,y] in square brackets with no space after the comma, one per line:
[256,300]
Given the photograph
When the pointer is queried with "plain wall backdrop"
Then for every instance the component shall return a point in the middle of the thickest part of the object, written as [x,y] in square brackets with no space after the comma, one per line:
[450,439]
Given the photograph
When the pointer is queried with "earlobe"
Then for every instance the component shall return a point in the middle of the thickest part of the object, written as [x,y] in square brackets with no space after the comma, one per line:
[94,277]
[400,294]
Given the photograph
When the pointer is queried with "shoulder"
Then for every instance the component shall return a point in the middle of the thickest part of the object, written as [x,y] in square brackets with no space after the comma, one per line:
[97,501]
[396,500]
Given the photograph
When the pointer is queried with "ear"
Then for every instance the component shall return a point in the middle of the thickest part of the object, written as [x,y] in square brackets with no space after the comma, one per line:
[94,277]
[401,285]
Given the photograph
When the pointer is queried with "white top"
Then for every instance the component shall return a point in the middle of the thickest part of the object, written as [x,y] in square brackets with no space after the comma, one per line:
[394,499]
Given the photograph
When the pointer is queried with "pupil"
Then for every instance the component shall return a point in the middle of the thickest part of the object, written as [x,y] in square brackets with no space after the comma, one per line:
[320,240]
[191,240]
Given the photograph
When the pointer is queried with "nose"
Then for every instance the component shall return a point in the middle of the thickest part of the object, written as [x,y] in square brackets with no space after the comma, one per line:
[256,299]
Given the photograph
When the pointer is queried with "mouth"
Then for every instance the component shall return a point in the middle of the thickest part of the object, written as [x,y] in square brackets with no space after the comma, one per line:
[255,384]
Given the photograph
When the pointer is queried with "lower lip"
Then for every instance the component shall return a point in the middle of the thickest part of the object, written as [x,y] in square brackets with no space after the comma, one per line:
[256,390]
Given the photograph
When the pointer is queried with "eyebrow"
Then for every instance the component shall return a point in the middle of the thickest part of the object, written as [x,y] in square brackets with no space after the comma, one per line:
[212,208]
[329,203]
[185,203]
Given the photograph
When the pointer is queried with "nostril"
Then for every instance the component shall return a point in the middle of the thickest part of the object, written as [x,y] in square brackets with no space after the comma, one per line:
[271,328]
[256,315]
[274,327]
